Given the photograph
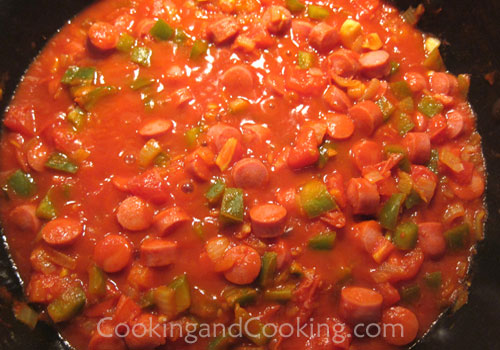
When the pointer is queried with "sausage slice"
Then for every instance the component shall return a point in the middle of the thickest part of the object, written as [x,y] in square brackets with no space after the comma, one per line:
[375,64]
[277,19]
[166,220]
[250,173]
[135,214]
[363,196]
[360,305]
[61,231]
[418,145]
[158,252]
[323,37]
[367,116]
[268,220]
[223,31]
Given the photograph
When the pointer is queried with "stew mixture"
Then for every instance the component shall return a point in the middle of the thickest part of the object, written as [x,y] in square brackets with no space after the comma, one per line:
[180,163]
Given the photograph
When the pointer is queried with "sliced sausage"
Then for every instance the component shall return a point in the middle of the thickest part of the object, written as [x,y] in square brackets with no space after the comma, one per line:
[245,266]
[363,196]
[343,63]
[473,190]
[113,253]
[219,133]
[418,145]
[416,81]
[431,239]
[408,329]
[375,64]
[268,220]
[61,231]
[360,305]
[367,116]
[106,339]
[223,31]
[369,236]
[420,122]
[455,122]
[255,134]
[436,128]
[238,80]
[134,214]
[277,19]
[323,37]
[340,126]
[148,334]
[103,36]
[197,167]
[337,99]
[24,218]
[443,83]
[365,153]
[37,155]
[250,173]
[155,127]
[158,252]
[310,81]
[168,219]
[301,30]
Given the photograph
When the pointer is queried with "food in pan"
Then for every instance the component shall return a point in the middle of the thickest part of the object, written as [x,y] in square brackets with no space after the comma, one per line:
[177,165]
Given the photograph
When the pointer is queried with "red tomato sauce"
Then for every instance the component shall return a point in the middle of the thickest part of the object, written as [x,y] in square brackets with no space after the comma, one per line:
[181,163]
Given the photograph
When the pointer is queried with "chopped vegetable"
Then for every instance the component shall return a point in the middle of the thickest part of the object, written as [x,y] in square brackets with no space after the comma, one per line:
[463,84]
[141,55]
[75,75]
[429,106]
[406,105]
[221,342]
[394,67]
[410,294]
[281,294]
[390,211]
[162,160]
[162,30]
[433,161]
[405,236]
[404,123]
[97,281]
[148,153]
[215,192]
[238,105]
[68,305]
[60,259]
[349,32]
[295,5]
[386,107]
[45,209]
[413,14]
[61,162]
[125,43]
[241,296]
[412,199]
[323,241]
[433,279]
[192,135]
[199,49]
[22,183]
[77,117]
[401,89]
[315,199]
[404,164]
[25,314]
[231,210]
[164,299]
[326,151]
[268,269]
[456,237]
[254,328]
[226,154]
[434,61]
[317,12]
[305,60]
[182,292]
[180,36]
[90,99]
[141,82]
[451,160]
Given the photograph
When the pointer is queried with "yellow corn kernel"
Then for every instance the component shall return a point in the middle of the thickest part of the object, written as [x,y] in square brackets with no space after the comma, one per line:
[372,42]
[349,32]
[226,154]
[238,105]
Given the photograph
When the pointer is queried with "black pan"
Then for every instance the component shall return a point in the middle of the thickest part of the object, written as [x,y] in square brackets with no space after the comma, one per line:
[470,30]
